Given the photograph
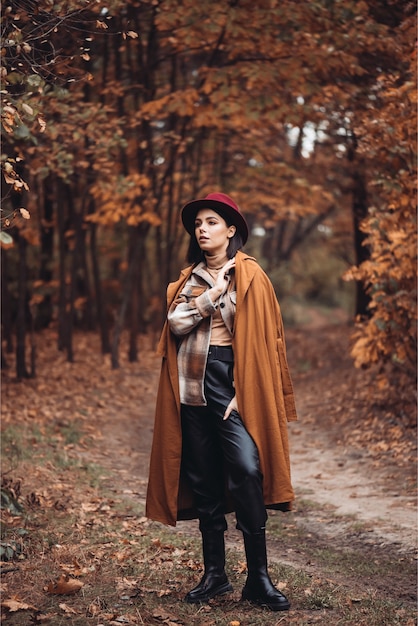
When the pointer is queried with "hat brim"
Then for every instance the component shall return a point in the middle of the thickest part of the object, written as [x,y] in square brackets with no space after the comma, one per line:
[190,210]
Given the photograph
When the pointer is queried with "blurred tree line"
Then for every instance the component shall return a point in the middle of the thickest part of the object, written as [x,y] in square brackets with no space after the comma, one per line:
[115,114]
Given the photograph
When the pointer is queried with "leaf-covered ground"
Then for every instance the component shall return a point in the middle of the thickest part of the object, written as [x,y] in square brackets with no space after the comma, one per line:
[77,549]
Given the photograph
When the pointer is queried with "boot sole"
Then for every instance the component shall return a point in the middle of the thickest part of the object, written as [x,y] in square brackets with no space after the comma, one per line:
[218,591]
[266,605]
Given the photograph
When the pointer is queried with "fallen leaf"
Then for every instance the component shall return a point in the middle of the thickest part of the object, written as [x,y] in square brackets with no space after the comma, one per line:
[17,605]
[65,586]
[67,609]
[39,618]
[94,609]
[166,617]
[107,616]
[76,569]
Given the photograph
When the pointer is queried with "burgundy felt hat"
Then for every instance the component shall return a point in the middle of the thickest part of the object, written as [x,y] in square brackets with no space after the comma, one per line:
[222,204]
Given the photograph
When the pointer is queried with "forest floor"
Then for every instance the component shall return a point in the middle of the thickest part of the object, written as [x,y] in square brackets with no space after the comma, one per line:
[76,443]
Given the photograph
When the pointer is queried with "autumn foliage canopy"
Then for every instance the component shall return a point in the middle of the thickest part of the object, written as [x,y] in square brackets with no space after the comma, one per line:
[115,114]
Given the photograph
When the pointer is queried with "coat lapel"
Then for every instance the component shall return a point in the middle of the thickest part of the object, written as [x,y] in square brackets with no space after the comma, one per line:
[244,276]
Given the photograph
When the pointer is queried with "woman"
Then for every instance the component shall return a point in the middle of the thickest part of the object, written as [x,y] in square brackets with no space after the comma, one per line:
[224,399]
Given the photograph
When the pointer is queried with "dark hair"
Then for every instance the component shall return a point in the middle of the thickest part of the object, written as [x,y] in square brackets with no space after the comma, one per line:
[195,254]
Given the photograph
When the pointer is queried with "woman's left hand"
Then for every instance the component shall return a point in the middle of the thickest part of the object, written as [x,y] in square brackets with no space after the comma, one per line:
[232,406]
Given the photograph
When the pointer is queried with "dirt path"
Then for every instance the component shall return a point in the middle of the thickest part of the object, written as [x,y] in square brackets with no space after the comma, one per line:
[345,481]
[338,457]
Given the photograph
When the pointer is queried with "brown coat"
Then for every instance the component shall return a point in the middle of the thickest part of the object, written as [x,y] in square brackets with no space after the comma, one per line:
[264,396]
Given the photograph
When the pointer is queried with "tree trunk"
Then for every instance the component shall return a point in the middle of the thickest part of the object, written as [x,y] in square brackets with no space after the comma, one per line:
[134,315]
[74,219]
[21,371]
[62,297]
[359,213]
[6,304]
[126,296]
[140,296]
[88,316]
[100,308]
[46,201]
[360,206]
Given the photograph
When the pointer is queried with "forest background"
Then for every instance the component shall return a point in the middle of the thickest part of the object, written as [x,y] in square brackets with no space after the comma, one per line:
[115,114]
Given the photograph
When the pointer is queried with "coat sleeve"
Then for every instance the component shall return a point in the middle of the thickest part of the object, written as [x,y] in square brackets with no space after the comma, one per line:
[189,309]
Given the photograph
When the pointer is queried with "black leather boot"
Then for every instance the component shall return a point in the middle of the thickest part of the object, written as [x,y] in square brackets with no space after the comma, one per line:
[214,581]
[259,589]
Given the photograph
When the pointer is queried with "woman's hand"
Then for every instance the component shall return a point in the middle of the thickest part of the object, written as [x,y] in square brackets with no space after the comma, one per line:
[221,283]
[232,406]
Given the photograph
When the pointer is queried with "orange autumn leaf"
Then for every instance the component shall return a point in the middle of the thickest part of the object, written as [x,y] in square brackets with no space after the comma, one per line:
[67,609]
[13,604]
[65,586]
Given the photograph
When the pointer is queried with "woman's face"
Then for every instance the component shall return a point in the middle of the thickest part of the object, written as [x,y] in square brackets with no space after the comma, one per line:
[212,232]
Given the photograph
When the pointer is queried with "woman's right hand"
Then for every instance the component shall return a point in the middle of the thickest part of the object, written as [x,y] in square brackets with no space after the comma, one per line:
[222,280]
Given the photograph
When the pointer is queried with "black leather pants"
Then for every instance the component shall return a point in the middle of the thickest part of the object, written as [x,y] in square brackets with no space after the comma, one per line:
[218,452]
